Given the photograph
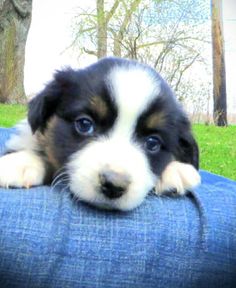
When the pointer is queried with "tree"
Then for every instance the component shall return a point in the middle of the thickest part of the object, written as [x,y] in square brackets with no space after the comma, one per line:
[101,30]
[219,76]
[15,18]
[100,21]
[169,35]
[119,34]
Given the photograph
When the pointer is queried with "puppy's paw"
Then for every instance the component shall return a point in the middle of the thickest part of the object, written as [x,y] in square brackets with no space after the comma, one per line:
[178,177]
[21,169]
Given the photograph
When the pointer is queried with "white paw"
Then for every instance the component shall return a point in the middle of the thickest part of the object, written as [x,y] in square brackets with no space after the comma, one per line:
[178,176]
[21,169]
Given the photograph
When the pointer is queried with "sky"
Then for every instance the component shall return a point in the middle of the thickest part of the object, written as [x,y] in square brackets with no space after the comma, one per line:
[50,34]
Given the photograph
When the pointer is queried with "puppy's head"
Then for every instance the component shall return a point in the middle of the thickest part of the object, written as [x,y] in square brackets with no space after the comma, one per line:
[115,126]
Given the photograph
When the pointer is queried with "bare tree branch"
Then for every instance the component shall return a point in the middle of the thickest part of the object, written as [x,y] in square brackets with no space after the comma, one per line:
[182,71]
[112,11]
[90,52]
[120,35]
[168,41]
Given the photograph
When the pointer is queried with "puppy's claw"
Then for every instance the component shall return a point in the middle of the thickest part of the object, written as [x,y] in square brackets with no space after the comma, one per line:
[30,177]
[179,177]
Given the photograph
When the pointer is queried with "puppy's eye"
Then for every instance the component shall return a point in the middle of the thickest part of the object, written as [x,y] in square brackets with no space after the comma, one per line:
[84,125]
[153,144]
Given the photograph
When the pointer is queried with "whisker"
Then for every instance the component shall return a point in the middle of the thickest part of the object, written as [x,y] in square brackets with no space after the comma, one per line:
[60,169]
[58,177]
[59,174]
[65,188]
[63,181]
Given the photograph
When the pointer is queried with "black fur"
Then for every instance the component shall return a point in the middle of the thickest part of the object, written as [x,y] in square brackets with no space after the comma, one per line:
[68,95]
[178,140]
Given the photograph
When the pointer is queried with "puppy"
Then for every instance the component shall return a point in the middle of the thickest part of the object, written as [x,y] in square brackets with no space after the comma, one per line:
[113,131]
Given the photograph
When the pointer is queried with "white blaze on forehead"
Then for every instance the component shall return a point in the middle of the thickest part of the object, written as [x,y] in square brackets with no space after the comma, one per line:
[134,88]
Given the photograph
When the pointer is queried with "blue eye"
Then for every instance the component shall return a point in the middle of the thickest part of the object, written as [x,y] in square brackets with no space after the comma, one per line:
[84,125]
[153,144]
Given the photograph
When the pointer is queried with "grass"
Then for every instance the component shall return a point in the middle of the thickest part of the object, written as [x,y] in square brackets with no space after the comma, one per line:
[217,144]
[11,114]
[217,149]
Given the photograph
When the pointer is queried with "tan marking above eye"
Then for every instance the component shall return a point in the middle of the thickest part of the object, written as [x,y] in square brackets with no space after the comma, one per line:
[155,120]
[99,106]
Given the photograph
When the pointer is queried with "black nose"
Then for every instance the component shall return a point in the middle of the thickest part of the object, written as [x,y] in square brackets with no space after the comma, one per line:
[113,184]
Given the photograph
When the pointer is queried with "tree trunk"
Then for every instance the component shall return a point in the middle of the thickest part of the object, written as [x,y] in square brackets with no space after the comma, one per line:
[120,34]
[117,45]
[219,77]
[15,20]
[101,30]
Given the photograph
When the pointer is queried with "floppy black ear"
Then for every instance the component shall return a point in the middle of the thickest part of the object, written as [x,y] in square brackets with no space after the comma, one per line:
[42,106]
[187,150]
[45,104]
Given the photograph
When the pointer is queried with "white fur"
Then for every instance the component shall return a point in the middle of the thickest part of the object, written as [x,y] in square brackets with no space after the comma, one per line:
[85,166]
[134,89]
[180,176]
[23,139]
[21,169]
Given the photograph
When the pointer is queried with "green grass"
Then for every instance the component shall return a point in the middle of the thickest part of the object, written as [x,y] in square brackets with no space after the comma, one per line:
[217,149]
[217,144]
[11,114]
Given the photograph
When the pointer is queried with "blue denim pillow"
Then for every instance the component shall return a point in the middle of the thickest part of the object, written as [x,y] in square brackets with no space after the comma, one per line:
[49,240]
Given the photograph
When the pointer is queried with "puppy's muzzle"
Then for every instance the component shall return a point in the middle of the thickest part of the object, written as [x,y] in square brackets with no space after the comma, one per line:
[113,184]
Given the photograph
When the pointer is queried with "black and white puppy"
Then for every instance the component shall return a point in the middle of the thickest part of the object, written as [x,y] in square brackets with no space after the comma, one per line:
[115,129]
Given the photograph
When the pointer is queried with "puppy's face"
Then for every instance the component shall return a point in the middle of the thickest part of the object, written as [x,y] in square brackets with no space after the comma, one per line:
[115,126]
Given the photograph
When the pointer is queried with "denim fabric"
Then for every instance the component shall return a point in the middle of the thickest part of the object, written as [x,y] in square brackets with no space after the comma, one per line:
[49,240]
